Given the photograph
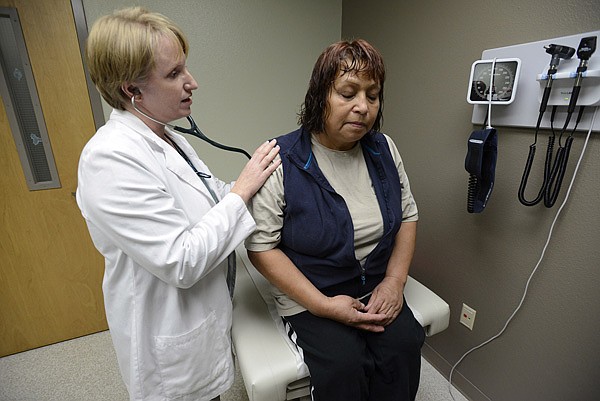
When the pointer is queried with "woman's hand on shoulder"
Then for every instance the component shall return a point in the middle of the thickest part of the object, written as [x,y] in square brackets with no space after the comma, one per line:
[262,164]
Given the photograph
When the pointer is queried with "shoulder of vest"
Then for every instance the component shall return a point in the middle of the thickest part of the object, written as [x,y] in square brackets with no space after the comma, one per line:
[375,142]
[296,146]
[288,140]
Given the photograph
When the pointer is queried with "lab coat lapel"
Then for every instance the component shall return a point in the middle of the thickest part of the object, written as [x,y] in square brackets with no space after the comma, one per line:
[173,160]
[177,164]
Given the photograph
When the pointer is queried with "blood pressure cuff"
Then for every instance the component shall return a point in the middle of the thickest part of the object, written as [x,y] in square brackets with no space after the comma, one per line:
[481,163]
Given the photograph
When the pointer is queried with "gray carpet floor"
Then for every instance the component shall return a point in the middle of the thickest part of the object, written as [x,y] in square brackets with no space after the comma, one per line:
[85,369]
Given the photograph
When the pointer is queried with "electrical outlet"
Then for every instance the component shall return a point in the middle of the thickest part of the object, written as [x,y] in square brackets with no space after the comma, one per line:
[467,316]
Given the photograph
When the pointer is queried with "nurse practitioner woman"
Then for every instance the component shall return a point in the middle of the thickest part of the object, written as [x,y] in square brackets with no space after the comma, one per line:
[163,222]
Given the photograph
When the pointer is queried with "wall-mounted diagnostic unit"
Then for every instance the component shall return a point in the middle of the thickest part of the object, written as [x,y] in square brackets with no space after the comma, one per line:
[532,75]
[559,89]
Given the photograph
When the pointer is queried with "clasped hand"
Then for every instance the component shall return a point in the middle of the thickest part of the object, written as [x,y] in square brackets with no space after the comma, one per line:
[387,299]
[383,307]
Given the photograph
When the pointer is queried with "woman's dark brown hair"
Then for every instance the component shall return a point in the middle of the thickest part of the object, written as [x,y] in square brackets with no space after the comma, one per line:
[357,57]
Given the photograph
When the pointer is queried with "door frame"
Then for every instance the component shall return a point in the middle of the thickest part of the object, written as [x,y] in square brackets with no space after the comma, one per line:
[82,28]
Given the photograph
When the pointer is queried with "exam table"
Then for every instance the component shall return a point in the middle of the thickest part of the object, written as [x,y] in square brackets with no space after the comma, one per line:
[271,367]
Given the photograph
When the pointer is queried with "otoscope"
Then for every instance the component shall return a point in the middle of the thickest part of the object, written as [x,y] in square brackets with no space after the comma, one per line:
[557,52]
[586,48]
[193,130]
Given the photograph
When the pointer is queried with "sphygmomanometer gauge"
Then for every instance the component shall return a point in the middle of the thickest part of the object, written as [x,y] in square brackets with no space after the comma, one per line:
[500,77]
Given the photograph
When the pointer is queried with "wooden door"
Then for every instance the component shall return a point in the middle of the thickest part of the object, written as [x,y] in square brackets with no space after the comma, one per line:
[50,273]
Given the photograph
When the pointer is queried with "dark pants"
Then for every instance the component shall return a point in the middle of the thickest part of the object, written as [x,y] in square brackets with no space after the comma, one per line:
[349,364]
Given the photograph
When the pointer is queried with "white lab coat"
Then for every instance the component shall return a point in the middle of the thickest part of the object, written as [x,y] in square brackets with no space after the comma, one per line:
[166,244]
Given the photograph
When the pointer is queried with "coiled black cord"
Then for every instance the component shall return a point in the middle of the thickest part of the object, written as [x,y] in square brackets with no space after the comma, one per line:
[547,162]
[547,168]
[560,163]
[472,192]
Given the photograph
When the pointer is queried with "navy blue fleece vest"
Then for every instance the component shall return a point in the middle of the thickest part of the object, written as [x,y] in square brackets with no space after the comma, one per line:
[318,234]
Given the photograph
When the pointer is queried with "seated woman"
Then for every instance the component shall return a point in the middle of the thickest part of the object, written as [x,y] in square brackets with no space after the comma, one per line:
[336,229]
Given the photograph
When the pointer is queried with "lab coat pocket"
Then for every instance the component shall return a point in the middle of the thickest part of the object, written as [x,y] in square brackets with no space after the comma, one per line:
[193,360]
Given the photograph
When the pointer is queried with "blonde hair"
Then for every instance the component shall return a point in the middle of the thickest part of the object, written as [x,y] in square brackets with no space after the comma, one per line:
[121,48]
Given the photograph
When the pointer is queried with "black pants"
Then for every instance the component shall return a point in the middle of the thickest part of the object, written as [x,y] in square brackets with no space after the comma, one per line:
[350,364]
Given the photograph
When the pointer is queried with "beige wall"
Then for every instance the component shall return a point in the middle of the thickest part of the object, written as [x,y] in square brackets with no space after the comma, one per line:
[252,60]
[551,349]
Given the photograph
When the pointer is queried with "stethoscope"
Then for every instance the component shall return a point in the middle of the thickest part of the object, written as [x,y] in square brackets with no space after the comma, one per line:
[193,130]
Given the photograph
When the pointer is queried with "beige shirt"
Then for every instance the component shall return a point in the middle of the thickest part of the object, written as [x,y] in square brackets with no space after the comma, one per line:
[347,173]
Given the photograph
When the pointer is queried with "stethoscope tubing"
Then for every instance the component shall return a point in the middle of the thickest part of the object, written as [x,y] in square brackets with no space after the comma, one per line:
[195,131]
